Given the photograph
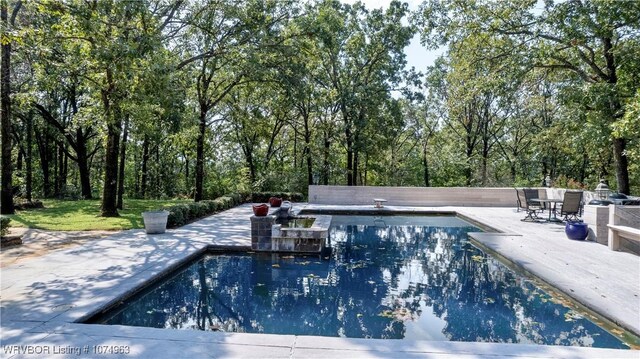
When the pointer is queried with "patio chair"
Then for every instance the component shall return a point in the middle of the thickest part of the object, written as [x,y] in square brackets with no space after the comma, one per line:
[542,194]
[524,201]
[571,205]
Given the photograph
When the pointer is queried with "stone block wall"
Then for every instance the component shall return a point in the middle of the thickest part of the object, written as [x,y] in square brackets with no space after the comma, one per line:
[414,196]
[261,232]
[597,218]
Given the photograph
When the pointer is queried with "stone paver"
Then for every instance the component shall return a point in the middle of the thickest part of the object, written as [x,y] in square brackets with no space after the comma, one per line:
[42,297]
[36,243]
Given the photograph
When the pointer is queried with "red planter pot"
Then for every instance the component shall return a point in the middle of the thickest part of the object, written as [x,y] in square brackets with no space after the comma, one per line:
[260,210]
[275,201]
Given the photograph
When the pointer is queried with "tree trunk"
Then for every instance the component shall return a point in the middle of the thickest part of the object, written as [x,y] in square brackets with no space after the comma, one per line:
[123,150]
[83,165]
[484,170]
[295,148]
[42,140]
[85,176]
[248,154]
[114,125]
[158,173]
[469,153]
[144,169]
[136,171]
[110,189]
[307,150]
[355,168]
[325,161]
[55,180]
[425,166]
[6,196]
[619,144]
[350,172]
[467,168]
[622,165]
[187,182]
[198,196]
[61,175]
[20,158]
[29,158]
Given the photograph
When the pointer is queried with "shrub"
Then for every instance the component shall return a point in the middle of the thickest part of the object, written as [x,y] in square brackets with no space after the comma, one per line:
[212,206]
[184,213]
[178,215]
[227,202]
[4,225]
[219,204]
[259,197]
[200,209]
[236,198]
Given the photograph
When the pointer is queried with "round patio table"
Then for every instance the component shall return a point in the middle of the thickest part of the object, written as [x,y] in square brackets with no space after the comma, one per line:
[550,201]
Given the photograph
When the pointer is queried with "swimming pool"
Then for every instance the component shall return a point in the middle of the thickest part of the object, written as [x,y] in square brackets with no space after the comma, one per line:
[390,277]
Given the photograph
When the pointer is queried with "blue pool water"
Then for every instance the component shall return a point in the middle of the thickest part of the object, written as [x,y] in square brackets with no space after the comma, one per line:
[387,277]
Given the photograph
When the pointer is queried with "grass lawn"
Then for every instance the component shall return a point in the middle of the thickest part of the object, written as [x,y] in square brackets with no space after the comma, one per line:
[84,215]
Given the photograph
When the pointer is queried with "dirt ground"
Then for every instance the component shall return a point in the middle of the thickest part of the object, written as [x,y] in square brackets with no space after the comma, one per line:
[36,243]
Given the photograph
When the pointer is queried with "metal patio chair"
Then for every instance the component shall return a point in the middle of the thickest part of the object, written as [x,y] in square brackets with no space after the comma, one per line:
[571,205]
[525,203]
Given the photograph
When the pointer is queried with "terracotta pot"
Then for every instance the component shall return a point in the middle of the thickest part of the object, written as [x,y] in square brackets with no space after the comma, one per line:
[260,210]
[275,201]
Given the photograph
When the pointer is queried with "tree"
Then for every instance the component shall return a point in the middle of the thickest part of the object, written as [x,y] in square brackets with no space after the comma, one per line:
[362,55]
[223,47]
[118,35]
[6,38]
[586,42]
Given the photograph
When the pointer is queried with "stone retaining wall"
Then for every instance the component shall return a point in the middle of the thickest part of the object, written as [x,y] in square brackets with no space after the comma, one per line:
[414,196]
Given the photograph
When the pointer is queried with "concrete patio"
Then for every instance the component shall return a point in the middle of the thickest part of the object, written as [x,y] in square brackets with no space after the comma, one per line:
[44,296]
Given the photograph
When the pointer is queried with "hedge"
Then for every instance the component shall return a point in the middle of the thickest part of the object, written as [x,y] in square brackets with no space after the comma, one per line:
[259,197]
[4,225]
[182,214]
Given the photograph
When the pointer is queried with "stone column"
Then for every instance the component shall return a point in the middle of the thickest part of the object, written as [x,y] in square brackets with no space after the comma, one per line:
[261,232]
[597,218]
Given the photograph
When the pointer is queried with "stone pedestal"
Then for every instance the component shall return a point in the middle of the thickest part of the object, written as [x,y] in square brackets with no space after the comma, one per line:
[597,218]
[261,232]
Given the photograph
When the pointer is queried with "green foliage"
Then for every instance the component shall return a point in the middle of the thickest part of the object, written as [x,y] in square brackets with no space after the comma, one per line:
[263,197]
[4,225]
[572,66]
[178,215]
[278,95]
[182,214]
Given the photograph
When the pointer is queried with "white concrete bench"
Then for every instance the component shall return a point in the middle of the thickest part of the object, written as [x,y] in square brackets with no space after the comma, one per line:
[617,231]
[378,202]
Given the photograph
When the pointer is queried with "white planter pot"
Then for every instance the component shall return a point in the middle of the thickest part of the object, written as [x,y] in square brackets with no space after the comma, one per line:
[155,221]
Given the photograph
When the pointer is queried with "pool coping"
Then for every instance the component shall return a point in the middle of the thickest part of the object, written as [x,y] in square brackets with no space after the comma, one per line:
[20,327]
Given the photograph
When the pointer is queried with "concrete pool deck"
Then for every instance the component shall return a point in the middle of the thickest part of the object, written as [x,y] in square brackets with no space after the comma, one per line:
[42,297]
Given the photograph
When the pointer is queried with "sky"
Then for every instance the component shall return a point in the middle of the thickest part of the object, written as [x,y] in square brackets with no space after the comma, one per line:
[417,55]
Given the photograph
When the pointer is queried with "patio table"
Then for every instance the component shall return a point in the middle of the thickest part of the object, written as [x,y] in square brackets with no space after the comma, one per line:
[550,201]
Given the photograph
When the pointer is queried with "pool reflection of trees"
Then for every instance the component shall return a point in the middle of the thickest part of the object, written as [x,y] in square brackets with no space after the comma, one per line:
[377,284]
